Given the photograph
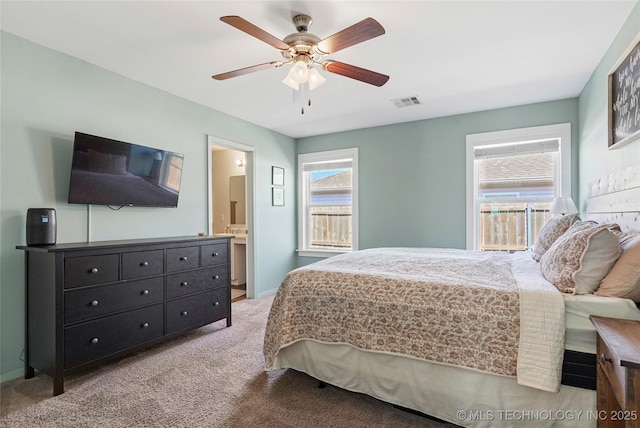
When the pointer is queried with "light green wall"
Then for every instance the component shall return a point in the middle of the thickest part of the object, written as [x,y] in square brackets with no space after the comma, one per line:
[430,155]
[412,175]
[46,97]
[596,160]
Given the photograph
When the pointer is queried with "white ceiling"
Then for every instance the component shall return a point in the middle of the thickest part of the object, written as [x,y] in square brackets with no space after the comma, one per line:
[455,56]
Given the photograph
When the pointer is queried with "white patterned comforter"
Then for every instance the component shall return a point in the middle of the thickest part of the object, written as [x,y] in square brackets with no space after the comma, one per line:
[485,311]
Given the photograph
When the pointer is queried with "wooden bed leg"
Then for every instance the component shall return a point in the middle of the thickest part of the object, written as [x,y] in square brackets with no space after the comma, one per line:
[321,384]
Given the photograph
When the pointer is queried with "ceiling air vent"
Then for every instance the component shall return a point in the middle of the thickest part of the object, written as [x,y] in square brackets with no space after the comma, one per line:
[406,102]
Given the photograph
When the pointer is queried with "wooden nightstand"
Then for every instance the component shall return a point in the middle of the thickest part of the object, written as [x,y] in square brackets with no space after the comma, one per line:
[618,382]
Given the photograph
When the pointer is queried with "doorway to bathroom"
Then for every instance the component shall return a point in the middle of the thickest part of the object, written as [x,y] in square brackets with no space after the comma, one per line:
[231,208]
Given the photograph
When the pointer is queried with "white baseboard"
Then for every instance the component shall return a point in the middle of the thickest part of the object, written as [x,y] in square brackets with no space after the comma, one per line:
[266,293]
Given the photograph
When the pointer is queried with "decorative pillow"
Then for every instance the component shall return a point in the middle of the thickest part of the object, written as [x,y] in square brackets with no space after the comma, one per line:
[550,232]
[580,258]
[624,278]
[107,163]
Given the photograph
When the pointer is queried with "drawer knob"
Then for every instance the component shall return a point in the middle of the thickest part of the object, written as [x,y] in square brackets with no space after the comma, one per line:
[214,255]
[144,264]
[145,292]
[183,283]
[94,303]
[183,258]
[216,277]
[94,340]
[604,359]
[145,325]
[184,313]
[94,270]
[216,304]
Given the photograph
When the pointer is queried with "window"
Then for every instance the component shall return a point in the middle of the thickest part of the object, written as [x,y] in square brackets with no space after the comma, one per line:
[512,178]
[328,202]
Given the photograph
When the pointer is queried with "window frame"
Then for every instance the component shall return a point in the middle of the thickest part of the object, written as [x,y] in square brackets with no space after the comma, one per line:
[326,156]
[166,169]
[561,131]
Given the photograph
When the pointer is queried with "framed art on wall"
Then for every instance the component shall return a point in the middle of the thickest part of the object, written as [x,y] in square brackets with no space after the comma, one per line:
[623,106]
[277,176]
[277,197]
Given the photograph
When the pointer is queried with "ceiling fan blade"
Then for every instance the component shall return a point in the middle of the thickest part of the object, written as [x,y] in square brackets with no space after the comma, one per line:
[244,25]
[247,70]
[362,31]
[361,74]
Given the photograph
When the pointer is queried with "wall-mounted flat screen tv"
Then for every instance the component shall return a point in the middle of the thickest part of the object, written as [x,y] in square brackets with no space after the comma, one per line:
[111,172]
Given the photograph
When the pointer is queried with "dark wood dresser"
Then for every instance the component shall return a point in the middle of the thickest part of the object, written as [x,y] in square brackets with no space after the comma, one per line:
[90,302]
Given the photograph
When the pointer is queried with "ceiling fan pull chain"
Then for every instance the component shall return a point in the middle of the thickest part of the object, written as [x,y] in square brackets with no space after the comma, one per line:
[304,91]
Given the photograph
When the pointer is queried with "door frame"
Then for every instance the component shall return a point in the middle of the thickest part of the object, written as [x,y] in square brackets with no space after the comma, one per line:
[252,237]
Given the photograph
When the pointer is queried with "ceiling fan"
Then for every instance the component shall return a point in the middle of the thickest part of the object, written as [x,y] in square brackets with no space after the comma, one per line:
[305,50]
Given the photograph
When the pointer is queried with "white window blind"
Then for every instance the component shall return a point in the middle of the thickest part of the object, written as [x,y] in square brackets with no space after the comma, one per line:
[529,147]
[327,165]
[519,170]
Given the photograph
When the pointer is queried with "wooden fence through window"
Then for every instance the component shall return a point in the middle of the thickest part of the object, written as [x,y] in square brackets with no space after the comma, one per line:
[503,227]
[511,227]
[331,227]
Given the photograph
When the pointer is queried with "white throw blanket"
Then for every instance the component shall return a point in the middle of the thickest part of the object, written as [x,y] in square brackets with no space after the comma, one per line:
[542,326]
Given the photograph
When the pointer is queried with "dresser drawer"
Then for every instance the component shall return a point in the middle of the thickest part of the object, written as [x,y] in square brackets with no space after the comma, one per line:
[89,270]
[183,283]
[198,310]
[96,339]
[214,254]
[610,364]
[182,258]
[142,263]
[86,303]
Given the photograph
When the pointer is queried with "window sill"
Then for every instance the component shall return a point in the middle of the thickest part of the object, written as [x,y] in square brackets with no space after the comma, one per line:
[320,253]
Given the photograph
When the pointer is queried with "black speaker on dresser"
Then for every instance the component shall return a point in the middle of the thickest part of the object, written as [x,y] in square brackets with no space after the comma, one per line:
[41,226]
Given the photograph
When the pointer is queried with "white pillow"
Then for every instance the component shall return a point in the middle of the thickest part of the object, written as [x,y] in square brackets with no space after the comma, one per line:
[581,258]
[624,278]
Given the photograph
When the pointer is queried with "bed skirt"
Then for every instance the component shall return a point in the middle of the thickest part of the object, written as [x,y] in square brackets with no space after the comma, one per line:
[461,396]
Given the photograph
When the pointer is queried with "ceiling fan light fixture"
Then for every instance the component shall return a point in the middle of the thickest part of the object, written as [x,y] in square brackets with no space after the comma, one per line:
[315,78]
[290,82]
[299,72]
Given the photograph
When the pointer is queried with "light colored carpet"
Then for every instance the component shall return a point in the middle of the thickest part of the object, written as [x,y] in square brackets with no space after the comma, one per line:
[212,377]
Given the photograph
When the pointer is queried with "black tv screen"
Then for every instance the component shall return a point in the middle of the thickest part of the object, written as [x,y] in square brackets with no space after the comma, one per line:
[111,172]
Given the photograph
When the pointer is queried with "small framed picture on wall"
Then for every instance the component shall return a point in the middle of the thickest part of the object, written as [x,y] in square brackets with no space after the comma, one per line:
[277,196]
[277,176]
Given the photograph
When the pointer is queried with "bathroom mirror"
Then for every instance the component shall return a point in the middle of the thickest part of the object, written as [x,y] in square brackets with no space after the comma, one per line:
[237,199]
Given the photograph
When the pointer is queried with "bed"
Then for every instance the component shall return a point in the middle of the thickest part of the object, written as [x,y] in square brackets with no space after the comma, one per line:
[473,338]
